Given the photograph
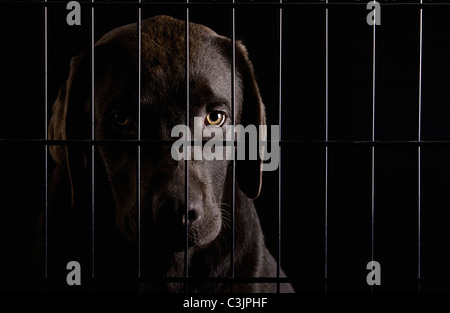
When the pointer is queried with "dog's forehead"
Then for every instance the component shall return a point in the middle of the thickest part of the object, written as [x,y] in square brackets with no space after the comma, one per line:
[163,44]
[163,55]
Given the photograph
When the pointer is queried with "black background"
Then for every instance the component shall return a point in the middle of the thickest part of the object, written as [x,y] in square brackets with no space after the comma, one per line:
[303,127]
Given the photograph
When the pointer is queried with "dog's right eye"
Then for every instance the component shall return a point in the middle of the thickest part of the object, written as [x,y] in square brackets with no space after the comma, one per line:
[215,118]
[121,119]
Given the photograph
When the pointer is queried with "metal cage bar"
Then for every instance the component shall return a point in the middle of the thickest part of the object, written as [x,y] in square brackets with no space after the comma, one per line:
[419,153]
[326,151]
[138,170]
[280,64]
[93,137]
[46,139]
[373,139]
[186,168]
[233,118]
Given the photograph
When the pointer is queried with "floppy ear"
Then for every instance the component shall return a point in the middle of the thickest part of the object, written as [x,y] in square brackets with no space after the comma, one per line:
[249,172]
[71,102]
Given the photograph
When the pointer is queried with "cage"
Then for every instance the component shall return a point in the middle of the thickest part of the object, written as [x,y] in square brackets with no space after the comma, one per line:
[364,139]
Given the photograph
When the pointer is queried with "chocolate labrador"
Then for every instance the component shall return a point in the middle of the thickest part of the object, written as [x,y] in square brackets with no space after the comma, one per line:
[154,215]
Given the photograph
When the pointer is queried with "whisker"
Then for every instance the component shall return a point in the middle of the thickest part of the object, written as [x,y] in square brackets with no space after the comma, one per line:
[226,215]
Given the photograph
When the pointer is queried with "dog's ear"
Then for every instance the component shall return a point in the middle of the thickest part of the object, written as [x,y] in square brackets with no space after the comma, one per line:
[68,120]
[249,172]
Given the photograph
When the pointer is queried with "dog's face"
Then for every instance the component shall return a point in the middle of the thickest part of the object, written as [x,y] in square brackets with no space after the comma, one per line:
[162,88]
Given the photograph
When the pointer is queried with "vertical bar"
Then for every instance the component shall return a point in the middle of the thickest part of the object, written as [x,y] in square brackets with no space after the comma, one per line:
[92,138]
[326,149]
[138,170]
[373,137]
[279,123]
[233,117]
[186,168]
[419,154]
[46,137]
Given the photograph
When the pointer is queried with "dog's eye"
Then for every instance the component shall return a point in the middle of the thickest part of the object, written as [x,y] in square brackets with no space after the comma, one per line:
[121,119]
[215,118]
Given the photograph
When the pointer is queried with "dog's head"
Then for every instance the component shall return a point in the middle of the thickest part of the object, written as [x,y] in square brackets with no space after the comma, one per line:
[162,89]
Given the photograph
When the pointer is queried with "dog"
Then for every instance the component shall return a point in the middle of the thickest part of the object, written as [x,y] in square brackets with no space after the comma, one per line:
[156,233]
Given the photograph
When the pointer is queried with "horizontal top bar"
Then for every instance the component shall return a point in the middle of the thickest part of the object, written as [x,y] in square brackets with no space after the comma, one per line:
[221,4]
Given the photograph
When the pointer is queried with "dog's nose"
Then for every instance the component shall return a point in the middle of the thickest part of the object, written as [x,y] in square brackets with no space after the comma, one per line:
[194,209]
[193,216]
[167,208]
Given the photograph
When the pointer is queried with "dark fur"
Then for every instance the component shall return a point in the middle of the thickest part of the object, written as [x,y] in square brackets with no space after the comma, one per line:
[163,208]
